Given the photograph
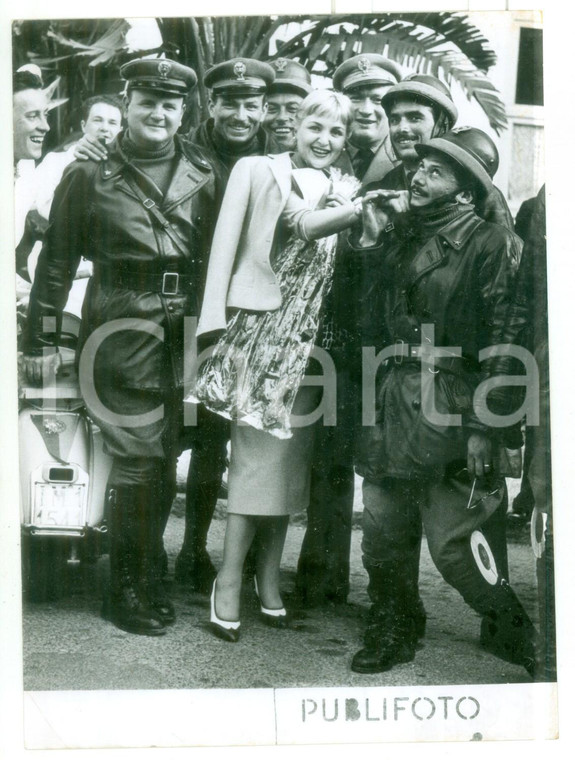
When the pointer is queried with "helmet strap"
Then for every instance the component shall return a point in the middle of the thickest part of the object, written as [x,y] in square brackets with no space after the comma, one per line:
[449,199]
[442,124]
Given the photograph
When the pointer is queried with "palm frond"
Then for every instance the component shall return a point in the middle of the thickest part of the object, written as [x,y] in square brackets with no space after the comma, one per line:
[476,85]
[445,45]
[103,50]
[448,45]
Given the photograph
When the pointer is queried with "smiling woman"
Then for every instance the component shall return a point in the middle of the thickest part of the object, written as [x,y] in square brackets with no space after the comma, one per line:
[271,264]
[320,140]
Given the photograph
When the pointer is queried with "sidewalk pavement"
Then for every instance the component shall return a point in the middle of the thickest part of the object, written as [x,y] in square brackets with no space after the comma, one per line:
[67,645]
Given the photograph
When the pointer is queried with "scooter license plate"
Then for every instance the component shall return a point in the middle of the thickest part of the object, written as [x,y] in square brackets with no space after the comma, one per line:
[59,505]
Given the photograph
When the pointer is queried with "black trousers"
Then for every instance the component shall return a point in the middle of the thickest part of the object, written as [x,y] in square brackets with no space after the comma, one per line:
[467,545]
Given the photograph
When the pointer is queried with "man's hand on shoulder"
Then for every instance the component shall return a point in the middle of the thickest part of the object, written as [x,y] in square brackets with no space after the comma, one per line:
[90,148]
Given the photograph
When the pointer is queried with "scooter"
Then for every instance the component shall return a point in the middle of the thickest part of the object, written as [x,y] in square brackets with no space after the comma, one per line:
[63,476]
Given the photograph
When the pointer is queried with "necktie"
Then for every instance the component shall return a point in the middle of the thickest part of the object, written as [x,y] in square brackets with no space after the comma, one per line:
[361,162]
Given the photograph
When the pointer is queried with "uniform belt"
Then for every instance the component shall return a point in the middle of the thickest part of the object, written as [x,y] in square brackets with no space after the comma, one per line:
[409,353]
[166,283]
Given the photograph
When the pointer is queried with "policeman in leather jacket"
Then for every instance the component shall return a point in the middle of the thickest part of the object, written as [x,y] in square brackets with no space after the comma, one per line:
[143,217]
[438,289]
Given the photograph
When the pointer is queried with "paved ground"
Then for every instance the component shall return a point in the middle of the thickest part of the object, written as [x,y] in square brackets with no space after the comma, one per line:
[67,646]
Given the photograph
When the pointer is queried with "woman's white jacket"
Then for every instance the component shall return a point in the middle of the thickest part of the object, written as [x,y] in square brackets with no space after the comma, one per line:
[240,274]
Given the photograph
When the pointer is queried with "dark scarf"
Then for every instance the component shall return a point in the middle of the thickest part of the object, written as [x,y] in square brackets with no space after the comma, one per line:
[157,163]
[135,151]
[420,225]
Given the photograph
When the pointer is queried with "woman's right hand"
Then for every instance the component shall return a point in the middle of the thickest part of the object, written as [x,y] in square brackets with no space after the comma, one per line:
[336,199]
[391,201]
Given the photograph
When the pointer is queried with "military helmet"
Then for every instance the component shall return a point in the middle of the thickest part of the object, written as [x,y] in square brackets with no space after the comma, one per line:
[424,87]
[470,148]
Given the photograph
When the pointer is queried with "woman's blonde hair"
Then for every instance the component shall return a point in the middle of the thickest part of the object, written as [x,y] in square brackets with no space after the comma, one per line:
[326,103]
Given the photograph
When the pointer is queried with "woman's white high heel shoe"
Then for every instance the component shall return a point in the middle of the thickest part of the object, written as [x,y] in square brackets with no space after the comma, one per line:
[277,618]
[228,630]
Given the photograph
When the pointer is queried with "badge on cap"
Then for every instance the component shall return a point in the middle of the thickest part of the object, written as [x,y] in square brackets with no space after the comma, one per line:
[280,64]
[240,70]
[164,69]
[457,130]
[364,65]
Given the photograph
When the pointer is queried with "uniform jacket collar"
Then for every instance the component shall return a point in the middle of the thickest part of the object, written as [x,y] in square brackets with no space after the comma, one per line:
[458,232]
[117,158]
[188,174]
[431,254]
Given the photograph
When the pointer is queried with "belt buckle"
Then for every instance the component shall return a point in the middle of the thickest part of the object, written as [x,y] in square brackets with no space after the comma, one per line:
[170,283]
[398,355]
[415,352]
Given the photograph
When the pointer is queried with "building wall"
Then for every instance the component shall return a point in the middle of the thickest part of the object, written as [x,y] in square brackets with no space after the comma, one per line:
[521,146]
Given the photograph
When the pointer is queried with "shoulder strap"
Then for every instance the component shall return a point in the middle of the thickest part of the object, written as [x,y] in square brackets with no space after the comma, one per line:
[151,206]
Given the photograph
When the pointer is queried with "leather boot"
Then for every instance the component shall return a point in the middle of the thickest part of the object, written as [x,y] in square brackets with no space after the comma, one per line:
[417,610]
[390,636]
[419,618]
[126,610]
[155,558]
[193,564]
[507,630]
[126,605]
[156,594]
[166,495]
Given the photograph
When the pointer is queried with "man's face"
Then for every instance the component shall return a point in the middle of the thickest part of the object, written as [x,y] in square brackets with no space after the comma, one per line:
[237,117]
[104,121]
[434,179]
[369,126]
[280,118]
[410,124]
[153,117]
[30,114]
